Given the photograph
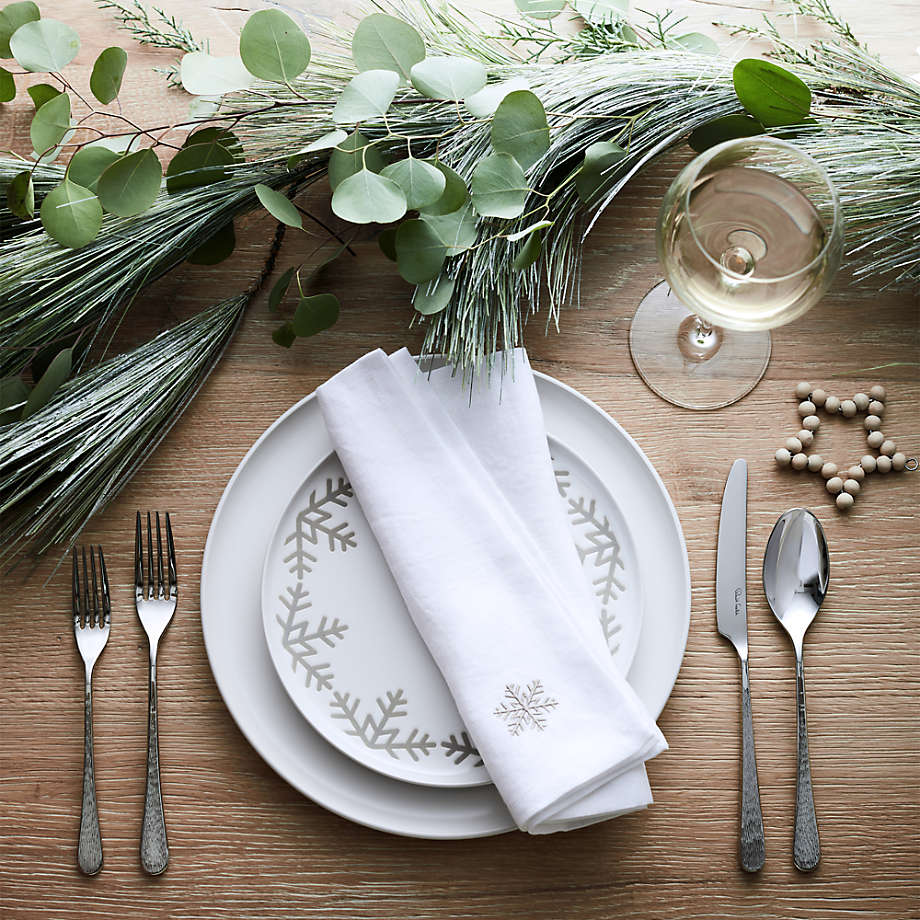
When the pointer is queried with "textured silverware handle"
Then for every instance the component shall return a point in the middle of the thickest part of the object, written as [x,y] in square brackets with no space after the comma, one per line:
[752,849]
[807,847]
[89,848]
[154,845]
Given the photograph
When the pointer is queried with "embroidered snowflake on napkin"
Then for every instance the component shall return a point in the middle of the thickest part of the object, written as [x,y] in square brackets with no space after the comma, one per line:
[528,708]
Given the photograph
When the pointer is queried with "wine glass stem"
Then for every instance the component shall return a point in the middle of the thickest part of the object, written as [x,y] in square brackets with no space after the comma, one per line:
[697,339]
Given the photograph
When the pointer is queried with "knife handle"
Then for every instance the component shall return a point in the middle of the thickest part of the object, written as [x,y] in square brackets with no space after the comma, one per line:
[752,850]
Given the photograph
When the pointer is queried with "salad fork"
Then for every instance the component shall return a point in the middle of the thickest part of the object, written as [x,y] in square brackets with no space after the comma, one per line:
[91,626]
[155,608]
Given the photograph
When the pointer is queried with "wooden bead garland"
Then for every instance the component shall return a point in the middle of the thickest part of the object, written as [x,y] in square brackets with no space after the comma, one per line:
[843,484]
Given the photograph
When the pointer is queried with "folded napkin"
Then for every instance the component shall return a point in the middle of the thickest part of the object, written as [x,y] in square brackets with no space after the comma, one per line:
[456,482]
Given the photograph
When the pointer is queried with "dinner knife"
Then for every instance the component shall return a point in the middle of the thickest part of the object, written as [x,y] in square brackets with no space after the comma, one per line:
[731,615]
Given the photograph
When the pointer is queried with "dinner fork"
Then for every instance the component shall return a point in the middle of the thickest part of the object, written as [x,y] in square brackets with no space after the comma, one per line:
[155,608]
[91,625]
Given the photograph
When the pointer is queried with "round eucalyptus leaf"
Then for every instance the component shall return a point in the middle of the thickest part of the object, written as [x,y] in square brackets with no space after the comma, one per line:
[599,158]
[315,314]
[486,101]
[386,240]
[601,11]
[456,231]
[723,129]
[216,248]
[202,74]
[105,80]
[326,142]
[454,196]
[279,206]
[422,183]
[433,297]
[696,42]
[280,288]
[519,127]
[13,395]
[771,94]
[50,382]
[198,164]
[528,253]
[87,164]
[419,252]
[7,86]
[351,156]
[366,198]
[384,42]
[44,45]
[448,77]
[527,231]
[540,9]
[12,16]
[50,123]
[20,195]
[130,184]
[71,214]
[273,47]
[499,186]
[368,95]
[215,135]
[284,335]
[41,93]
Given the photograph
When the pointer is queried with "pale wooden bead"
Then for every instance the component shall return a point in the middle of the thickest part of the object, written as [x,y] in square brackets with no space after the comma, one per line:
[783,457]
[799,462]
[872,423]
[832,404]
[883,464]
[857,473]
[898,461]
[815,462]
[848,408]
[868,463]
[806,437]
[802,390]
[834,485]
[875,439]
[811,423]
[829,469]
[877,392]
[876,408]
[851,486]
[819,396]
[887,448]
[794,445]
[806,408]
[845,501]
[862,401]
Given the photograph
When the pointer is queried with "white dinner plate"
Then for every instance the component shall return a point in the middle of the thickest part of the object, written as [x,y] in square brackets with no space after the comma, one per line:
[346,649]
[231,576]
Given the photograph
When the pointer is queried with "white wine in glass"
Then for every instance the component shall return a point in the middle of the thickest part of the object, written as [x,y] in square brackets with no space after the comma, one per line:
[750,236]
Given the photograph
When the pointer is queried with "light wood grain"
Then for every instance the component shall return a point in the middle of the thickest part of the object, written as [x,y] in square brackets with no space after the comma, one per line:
[245,845]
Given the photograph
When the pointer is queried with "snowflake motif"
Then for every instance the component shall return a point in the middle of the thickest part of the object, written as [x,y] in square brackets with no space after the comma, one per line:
[300,640]
[603,548]
[458,749]
[525,708]
[377,733]
[314,521]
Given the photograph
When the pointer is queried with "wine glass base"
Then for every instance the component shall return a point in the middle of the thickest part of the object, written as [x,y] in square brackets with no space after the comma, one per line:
[689,367]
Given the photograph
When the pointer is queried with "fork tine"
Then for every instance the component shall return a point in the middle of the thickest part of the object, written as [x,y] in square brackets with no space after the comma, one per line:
[85,606]
[92,564]
[161,584]
[171,549]
[149,560]
[106,600]
[138,560]
[76,589]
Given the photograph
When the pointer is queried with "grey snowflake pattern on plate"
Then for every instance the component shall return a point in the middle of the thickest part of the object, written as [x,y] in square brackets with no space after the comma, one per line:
[376,729]
[316,520]
[527,708]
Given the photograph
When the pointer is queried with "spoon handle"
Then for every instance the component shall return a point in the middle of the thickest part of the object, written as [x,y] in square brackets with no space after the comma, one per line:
[752,849]
[807,847]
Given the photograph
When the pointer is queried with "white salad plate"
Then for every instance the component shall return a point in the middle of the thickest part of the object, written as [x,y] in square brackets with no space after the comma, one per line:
[244,523]
[346,650]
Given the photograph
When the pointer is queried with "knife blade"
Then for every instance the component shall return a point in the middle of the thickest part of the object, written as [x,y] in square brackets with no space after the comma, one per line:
[731,617]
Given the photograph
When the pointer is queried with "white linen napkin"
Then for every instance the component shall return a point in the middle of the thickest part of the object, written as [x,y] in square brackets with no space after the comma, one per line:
[458,488]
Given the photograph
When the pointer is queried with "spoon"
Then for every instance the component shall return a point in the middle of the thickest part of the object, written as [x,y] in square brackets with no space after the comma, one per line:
[795,574]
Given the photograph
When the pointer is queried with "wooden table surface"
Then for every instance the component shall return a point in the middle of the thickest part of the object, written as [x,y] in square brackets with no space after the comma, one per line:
[246,845]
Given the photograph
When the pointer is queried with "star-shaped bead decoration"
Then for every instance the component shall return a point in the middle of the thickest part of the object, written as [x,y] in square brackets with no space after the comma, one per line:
[843,484]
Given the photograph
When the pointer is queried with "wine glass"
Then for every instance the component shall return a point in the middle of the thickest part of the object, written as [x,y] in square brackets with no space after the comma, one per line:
[750,235]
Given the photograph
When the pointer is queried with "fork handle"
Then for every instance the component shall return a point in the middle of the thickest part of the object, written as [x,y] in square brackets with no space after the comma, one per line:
[154,845]
[806,845]
[89,848]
